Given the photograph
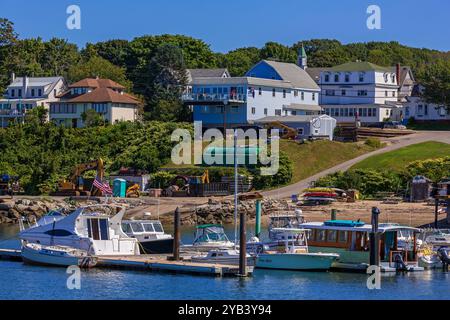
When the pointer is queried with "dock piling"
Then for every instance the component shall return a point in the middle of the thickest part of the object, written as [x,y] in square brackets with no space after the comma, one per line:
[375,239]
[258,218]
[176,240]
[242,246]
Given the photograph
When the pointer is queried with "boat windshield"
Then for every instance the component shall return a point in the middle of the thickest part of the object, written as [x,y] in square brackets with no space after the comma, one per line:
[136,227]
[211,234]
[158,227]
[148,227]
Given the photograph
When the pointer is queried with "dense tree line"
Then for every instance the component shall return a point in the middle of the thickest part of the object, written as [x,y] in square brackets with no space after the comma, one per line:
[152,67]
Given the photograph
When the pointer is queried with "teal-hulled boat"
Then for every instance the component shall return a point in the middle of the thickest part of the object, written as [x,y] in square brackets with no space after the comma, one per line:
[350,240]
[295,254]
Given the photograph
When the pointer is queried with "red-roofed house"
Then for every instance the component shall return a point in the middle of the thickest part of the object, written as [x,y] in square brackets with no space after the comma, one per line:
[105,96]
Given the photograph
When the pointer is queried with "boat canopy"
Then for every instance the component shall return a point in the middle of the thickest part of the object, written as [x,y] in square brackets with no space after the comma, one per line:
[207,226]
[344,223]
[358,227]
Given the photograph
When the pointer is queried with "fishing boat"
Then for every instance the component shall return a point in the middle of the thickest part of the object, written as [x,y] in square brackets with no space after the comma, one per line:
[209,237]
[350,239]
[295,254]
[90,229]
[227,257]
[33,253]
[150,234]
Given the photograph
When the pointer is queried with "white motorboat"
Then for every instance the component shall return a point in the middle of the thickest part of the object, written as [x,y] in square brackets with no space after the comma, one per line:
[33,253]
[295,254]
[89,229]
[209,237]
[227,257]
[150,234]
[437,238]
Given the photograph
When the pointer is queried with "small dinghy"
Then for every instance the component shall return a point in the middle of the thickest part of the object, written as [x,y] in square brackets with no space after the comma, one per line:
[33,253]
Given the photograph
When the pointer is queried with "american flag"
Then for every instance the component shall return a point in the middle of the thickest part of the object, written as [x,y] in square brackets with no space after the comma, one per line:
[103,187]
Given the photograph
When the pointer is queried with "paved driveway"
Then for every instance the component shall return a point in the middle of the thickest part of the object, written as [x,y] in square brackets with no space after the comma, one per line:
[397,143]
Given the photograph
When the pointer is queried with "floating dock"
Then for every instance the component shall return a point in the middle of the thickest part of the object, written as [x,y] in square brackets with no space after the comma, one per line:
[152,263]
[162,264]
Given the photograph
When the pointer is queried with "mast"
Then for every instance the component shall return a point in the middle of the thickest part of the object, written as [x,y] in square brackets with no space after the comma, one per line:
[235,188]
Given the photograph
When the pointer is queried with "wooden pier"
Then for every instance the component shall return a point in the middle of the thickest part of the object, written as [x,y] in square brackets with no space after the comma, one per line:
[154,263]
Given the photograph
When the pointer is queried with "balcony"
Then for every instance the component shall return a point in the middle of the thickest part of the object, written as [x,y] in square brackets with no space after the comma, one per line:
[11,113]
[213,99]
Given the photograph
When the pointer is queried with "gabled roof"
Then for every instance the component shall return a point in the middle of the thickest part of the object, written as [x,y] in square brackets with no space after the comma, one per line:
[294,74]
[207,73]
[360,66]
[96,83]
[36,81]
[104,95]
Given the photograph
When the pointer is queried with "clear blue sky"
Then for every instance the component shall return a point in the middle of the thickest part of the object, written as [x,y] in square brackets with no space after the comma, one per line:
[226,25]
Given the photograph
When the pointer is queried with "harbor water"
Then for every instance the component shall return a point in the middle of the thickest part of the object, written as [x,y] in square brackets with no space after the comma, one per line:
[19,281]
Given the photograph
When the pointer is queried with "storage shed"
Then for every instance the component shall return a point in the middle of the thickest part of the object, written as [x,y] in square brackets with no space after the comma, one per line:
[307,126]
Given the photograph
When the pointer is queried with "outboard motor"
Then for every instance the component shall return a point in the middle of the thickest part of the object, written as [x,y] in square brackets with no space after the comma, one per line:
[400,265]
[444,256]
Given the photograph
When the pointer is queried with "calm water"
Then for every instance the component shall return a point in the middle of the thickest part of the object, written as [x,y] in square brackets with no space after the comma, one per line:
[18,281]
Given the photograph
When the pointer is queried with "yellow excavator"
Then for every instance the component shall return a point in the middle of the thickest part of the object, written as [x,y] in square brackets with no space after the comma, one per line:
[134,191]
[287,132]
[73,186]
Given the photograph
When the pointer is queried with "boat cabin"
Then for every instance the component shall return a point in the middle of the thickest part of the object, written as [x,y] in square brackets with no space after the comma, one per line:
[351,240]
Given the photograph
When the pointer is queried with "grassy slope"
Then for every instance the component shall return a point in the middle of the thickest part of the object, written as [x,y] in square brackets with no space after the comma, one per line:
[398,159]
[317,156]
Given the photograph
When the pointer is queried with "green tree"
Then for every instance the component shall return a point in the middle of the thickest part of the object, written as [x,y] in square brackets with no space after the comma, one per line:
[59,57]
[92,118]
[278,52]
[164,81]
[8,35]
[436,80]
[98,67]
[239,61]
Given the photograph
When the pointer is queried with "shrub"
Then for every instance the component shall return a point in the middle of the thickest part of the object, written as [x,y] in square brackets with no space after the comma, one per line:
[373,142]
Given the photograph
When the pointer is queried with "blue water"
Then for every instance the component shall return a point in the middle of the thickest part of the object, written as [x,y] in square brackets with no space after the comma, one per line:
[19,281]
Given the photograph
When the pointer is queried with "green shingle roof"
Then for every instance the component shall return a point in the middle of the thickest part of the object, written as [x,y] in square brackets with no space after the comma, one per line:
[360,66]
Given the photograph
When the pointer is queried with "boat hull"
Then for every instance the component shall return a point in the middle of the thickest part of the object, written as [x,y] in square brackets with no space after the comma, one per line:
[161,246]
[296,261]
[36,257]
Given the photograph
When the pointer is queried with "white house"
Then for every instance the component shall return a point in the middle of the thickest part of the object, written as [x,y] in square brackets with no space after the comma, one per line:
[360,90]
[419,109]
[26,93]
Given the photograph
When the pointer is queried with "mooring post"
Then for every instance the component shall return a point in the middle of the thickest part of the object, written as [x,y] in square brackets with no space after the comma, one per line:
[333,214]
[375,239]
[242,245]
[176,240]
[258,218]
[436,213]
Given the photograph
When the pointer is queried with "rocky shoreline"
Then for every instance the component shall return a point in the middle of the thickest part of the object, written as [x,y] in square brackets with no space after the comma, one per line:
[11,210]
[222,212]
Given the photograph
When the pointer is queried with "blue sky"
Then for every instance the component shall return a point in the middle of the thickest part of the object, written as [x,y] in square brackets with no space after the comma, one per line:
[230,24]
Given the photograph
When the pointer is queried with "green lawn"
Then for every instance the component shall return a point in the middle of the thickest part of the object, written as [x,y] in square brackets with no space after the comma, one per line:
[397,160]
[314,157]
[427,126]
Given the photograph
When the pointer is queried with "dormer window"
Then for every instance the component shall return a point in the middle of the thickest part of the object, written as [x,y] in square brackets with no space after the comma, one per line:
[386,78]
[13,93]
[32,92]
[39,92]
[327,78]
[336,77]
[393,78]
